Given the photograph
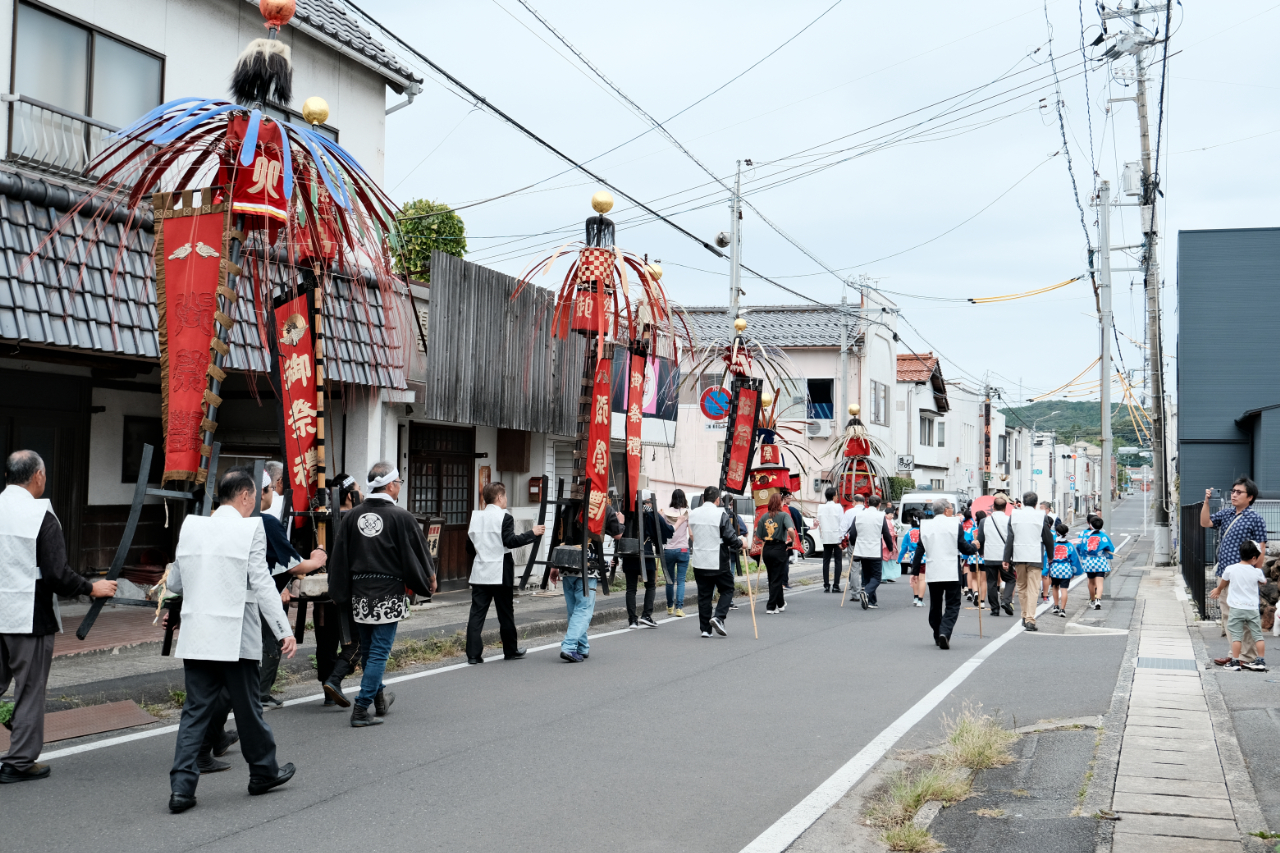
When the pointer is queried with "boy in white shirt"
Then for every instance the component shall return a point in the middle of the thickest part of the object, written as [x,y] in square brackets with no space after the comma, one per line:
[1242,582]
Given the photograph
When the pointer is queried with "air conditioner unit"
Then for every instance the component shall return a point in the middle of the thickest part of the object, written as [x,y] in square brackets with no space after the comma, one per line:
[819,429]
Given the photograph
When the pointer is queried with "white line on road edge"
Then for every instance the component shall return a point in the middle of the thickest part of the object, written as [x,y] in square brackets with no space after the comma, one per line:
[791,825]
[164,730]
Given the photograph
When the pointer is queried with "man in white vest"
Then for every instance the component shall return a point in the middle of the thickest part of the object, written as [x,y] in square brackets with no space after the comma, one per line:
[993,535]
[870,529]
[220,570]
[831,530]
[855,571]
[491,536]
[942,538]
[714,546]
[33,572]
[1030,538]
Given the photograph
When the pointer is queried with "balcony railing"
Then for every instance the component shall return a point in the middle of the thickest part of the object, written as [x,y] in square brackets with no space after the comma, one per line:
[50,139]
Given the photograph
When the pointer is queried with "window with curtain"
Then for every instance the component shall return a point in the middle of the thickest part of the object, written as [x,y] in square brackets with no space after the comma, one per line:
[926,432]
[942,433]
[81,70]
[879,403]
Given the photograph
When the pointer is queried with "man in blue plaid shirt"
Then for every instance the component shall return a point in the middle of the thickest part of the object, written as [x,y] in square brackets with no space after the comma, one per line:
[1238,523]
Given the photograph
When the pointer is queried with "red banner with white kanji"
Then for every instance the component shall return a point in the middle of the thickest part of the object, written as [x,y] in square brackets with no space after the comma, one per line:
[258,188]
[598,446]
[191,241]
[635,414]
[295,344]
[741,439]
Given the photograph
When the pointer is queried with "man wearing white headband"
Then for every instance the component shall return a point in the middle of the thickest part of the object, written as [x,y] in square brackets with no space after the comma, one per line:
[380,551]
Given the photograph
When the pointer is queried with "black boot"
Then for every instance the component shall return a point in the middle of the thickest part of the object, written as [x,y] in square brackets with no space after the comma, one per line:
[382,701]
[332,685]
[360,717]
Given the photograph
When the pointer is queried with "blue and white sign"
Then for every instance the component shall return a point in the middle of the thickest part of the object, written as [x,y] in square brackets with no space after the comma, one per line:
[1037,471]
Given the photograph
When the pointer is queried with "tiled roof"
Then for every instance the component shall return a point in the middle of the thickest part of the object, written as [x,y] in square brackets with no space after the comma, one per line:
[773,325]
[68,299]
[329,19]
[925,368]
[916,368]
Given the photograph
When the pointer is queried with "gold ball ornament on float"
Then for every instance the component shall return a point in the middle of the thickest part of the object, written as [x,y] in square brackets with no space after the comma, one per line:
[315,110]
[766,399]
[854,409]
[602,202]
[740,324]
[655,271]
[277,12]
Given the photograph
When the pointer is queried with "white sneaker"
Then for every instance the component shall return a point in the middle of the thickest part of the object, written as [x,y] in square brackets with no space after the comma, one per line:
[771,611]
[718,626]
[919,602]
[706,633]
[1097,605]
[782,608]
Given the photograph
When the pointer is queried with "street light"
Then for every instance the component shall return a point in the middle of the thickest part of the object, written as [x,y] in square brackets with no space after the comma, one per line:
[1051,449]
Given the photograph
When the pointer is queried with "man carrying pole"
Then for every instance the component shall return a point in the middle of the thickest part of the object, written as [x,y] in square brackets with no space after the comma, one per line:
[33,571]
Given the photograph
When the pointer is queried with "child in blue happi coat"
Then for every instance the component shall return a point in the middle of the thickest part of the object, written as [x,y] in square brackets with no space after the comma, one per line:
[971,562]
[1064,564]
[1096,551]
[907,552]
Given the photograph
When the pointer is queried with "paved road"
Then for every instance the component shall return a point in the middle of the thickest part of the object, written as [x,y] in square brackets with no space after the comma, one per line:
[661,741]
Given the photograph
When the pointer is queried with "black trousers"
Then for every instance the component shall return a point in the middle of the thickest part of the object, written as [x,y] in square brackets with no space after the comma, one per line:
[708,582]
[333,658]
[996,572]
[775,561]
[944,622]
[210,684]
[830,552]
[503,597]
[631,569]
[872,569]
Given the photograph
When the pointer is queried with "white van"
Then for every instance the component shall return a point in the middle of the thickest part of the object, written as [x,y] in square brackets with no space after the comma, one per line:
[918,502]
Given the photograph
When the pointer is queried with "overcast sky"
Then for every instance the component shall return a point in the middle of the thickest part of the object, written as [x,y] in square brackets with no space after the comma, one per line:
[833,87]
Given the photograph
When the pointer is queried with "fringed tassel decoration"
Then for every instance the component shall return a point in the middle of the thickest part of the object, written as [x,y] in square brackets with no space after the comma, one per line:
[264,71]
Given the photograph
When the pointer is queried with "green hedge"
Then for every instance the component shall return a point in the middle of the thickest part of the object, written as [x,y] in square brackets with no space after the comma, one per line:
[899,486]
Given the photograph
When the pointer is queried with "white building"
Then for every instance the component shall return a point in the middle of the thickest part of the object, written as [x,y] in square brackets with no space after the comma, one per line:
[80,358]
[811,407]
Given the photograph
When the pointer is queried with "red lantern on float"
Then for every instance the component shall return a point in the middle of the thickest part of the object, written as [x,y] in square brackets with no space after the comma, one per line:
[277,12]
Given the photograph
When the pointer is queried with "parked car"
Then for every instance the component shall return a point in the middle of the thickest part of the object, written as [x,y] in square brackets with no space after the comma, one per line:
[920,501]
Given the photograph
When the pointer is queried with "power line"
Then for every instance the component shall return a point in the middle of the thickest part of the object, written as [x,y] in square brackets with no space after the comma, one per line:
[1066,148]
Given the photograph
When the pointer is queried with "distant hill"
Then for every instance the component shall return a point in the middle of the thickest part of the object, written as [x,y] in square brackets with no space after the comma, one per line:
[1077,420]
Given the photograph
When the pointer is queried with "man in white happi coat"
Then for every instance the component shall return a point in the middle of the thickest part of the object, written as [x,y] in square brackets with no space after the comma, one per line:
[490,538]
[33,572]
[220,570]
[869,529]
[942,538]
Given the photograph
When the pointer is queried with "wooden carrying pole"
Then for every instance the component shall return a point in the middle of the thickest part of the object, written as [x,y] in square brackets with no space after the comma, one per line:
[751,598]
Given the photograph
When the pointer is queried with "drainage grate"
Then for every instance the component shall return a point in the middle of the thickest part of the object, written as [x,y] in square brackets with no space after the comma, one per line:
[1167,663]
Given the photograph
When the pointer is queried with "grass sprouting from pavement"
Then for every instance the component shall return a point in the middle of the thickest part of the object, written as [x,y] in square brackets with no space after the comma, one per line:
[976,740]
[411,652]
[911,839]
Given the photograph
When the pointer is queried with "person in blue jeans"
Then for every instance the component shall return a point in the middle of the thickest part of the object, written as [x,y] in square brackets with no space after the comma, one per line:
[580,597]
[380,550]
[675,556]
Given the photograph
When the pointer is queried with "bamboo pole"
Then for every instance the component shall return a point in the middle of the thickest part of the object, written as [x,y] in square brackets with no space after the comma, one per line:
[751,599]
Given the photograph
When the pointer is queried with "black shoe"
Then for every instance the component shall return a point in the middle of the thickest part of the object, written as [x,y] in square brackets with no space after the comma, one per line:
[944,642]
[179,803]
[229,739]
[474,661]
[382,701]
[572,657]
[647,622]
[328,703]
[361,717]
[1008,608]
[261,786]
[836,588]
[516,655]
[206,764]
[826,588]
[937,640]
[333,694]
[1029,626]
[866,602]
[271,700]
[995,611]
[9,773]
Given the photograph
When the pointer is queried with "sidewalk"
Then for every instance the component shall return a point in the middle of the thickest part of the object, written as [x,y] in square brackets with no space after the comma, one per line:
[1181,784]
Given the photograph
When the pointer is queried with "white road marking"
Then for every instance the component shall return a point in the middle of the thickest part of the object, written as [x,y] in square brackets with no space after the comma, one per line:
[165,730]
[791,825]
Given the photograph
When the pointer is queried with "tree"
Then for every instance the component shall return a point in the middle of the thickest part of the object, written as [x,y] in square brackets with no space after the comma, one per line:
[426,225]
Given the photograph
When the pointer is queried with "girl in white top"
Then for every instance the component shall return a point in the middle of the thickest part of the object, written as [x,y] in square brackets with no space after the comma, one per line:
[675,554]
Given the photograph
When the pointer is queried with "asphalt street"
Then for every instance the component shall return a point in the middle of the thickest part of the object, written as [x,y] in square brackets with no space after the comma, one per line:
[662,740]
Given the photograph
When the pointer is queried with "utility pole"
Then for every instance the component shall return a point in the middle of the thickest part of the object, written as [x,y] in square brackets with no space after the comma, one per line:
[1160,507]
[1105,323]
[735,245]
[843,397]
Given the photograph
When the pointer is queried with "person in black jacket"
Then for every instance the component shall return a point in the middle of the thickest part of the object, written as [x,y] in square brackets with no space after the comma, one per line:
[29,619]
[580,592]
[380,551]
[631,568]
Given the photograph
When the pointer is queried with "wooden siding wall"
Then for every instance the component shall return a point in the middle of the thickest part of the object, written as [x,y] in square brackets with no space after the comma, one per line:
[491,360]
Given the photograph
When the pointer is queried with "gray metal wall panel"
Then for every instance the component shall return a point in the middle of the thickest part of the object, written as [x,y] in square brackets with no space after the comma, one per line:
[491,359]
[1266,467]
[1228,294]
[1210,466]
